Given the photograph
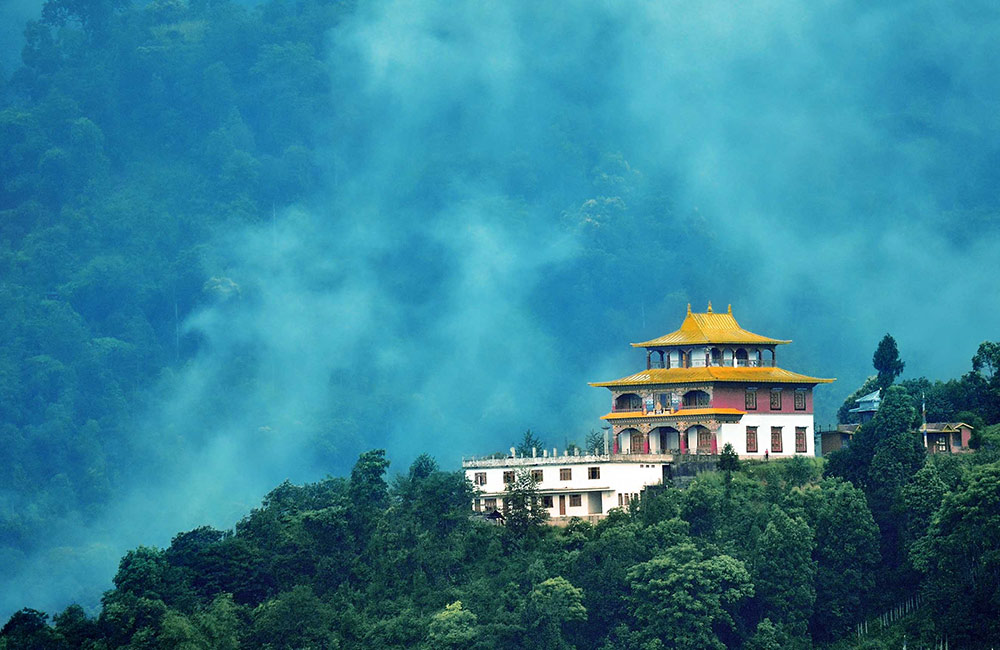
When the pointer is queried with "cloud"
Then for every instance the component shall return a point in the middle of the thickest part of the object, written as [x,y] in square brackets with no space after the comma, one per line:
[517,190]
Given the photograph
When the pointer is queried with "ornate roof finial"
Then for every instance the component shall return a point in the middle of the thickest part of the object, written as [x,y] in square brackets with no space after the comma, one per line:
[689,309]
[730,309]
[710,306]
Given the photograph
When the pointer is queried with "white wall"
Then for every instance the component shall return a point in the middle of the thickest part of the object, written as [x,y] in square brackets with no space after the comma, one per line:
[615,478]
[736,434]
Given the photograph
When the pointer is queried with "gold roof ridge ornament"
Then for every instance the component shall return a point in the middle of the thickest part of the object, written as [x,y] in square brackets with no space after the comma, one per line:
[709,328]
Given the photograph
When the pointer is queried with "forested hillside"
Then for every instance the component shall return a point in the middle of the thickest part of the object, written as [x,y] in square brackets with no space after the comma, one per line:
[771,555]
[130,137]
[234,238]
[150,152]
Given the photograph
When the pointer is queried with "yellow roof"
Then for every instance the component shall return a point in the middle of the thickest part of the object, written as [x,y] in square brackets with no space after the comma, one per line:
[711,374]
[699,329]
[676,414]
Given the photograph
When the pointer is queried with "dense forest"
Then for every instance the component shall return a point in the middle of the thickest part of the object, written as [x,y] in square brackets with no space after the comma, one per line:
[101,257]
[761,555]
[138,140]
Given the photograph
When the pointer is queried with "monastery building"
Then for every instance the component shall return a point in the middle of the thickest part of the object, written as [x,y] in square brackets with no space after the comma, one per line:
[707,384]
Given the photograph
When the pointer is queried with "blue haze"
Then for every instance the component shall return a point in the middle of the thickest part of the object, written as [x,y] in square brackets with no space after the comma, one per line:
[513,192]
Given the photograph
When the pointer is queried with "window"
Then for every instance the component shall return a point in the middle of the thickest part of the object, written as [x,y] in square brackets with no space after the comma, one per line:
[536,475]
[547,501]
[478,505]
[775,440]
[800,400]
[751,440]
[490,504]
[775,399]
[575,501]
[626,498]
[628,402]
[704,440]
[508,477]
[480,478]
[800,440]
[696,399]
[566,474]
[751,399]
[593,472]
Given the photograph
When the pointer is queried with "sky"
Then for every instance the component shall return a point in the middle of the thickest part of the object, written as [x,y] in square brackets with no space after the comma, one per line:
[513,192]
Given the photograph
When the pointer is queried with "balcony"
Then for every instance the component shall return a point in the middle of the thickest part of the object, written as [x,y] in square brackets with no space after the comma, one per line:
[754,363]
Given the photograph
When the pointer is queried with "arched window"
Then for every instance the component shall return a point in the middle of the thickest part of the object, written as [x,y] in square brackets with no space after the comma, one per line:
[696,399]
[628,402]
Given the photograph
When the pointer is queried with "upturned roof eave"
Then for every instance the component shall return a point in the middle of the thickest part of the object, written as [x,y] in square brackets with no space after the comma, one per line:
[662,342]
[744,378]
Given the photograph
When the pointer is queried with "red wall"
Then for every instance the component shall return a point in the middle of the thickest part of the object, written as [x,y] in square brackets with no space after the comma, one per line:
[733,396]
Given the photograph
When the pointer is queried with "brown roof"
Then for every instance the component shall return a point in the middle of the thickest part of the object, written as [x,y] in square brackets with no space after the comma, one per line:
[940,427]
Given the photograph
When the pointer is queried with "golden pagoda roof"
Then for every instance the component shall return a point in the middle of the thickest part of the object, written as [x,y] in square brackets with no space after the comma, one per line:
[713,374]
[681,413]
[709,327]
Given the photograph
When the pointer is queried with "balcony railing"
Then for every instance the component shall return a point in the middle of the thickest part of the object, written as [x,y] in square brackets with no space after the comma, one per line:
[730,363]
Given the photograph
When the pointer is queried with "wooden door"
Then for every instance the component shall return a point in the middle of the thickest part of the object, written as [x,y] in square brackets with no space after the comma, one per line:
[635,442]
[562,504]
[704,440]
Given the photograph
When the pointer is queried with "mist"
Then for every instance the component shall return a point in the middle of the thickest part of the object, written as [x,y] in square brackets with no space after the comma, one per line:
[512,193]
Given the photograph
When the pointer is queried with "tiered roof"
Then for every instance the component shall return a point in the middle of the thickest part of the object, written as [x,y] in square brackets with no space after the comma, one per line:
[678,414]
[740,374]
[701,329]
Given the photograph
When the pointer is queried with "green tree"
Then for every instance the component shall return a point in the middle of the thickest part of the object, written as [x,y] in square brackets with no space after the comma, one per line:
[368,493]
[784,572]
[767,636]
[452,627]
[687,600]
[74,626]
[921,497]
[550,605]
[960,561]
[729,460]
[986,366]
[887,362]
[529,441]
[523,512]
[594,442]
[847,556]
[29,628]
[294,619]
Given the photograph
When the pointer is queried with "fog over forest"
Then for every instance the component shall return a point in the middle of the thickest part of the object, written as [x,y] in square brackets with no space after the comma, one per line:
[507,194]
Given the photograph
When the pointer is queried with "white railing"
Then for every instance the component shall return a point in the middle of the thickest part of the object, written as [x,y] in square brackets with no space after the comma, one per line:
[525,461]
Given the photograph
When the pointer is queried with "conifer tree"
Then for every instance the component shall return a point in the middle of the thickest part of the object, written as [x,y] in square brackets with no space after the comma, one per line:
[887,362]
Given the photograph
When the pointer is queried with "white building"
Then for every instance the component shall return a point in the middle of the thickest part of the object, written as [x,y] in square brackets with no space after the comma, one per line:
[707,384]
[569,486]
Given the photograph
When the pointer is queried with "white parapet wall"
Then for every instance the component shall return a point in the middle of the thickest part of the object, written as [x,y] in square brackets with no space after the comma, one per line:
[570,486]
